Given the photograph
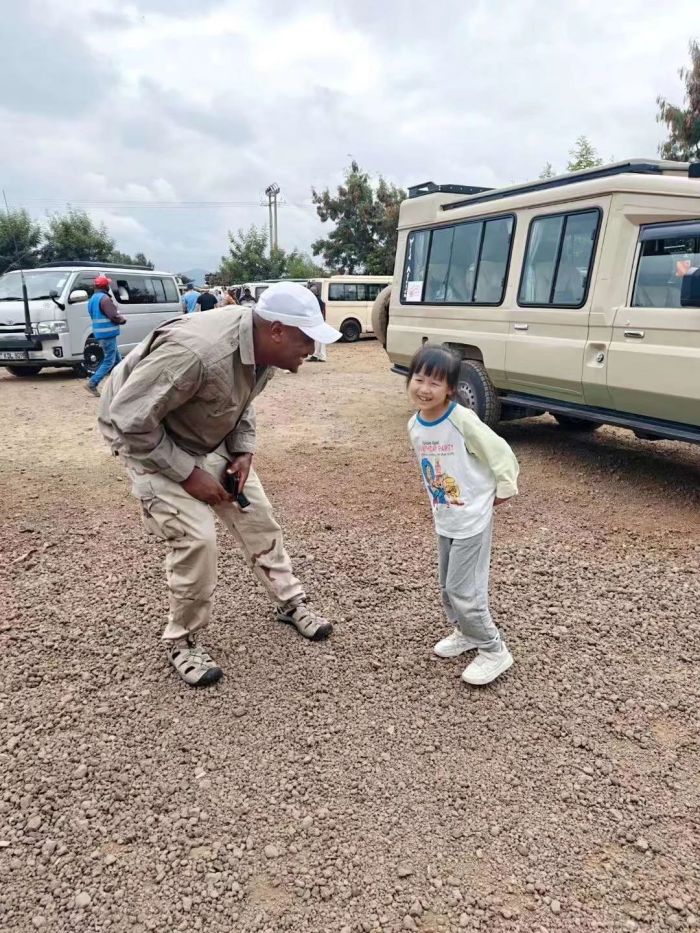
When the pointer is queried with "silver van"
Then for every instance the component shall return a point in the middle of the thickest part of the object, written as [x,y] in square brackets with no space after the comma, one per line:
[59,329]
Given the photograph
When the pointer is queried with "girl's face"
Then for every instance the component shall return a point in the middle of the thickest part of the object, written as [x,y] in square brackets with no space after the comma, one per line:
[428,393]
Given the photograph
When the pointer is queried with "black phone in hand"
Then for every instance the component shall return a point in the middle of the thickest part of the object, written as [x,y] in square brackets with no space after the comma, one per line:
[231,483]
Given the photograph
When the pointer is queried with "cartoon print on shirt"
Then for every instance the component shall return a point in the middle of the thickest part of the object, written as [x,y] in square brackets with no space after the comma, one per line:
[443,488]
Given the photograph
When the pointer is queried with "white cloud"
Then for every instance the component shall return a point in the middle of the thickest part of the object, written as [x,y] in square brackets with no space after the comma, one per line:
[142,106]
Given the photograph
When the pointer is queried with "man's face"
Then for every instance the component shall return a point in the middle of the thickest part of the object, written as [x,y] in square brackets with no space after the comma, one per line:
[289,347]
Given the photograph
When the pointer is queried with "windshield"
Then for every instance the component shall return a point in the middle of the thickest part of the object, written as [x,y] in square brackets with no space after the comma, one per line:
[39,284]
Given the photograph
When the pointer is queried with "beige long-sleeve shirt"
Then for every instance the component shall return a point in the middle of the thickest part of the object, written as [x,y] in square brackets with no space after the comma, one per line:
[183,391]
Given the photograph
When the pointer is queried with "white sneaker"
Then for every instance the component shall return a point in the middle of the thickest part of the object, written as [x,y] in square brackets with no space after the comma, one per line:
[487,666]
[453,645]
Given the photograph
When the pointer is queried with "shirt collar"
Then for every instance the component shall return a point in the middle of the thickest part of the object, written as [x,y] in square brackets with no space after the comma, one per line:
[246,346]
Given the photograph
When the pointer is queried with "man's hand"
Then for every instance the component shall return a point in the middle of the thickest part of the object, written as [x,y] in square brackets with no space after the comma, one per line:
[201,485]
[121,320]
[498,501]
[241,465]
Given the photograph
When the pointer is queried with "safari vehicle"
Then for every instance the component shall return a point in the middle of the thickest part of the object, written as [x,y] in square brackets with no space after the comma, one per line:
[59,329]
[577,295]
[349,300]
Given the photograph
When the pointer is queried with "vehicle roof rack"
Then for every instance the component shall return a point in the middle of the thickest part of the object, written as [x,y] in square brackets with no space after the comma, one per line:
[429,187]
[90,264]
[633,167]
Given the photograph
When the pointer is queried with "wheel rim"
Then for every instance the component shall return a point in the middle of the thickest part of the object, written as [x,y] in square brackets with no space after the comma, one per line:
[92,357]
[467,395]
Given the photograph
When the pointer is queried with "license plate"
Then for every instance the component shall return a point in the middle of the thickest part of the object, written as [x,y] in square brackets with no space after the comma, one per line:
[14,355]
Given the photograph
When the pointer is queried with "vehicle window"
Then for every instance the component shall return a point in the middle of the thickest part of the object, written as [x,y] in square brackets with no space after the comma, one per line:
[465,254]
[439,264]
[159,289]
[467,263]
[259,290]
[171,290]
[558,259]
[417,246]
[362,293]
[134,289]
[39,284]
[663,263]
[85,282]
[493,261]
[373,291]
[342,291]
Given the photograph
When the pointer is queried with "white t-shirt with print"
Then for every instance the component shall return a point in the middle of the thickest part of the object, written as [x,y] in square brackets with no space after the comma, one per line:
[461,488]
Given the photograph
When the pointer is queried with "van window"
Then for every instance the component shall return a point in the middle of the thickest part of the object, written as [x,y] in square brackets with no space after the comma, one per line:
[663,262]
[459,264]
[350,291]
[133,289]
[558,259]
[373,290]
[171,291]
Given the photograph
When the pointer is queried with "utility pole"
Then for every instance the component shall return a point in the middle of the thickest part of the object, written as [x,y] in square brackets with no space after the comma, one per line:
[272,191]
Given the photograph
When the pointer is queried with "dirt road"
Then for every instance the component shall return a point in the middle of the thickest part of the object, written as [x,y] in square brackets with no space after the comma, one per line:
[356,785]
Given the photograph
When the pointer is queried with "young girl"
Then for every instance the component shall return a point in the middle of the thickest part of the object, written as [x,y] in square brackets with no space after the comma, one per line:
[466,469]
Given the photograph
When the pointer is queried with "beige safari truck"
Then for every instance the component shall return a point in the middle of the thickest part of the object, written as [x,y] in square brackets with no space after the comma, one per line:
[577,295]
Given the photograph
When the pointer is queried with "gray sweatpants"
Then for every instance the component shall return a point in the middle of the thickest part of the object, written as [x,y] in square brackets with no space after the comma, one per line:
[463,566]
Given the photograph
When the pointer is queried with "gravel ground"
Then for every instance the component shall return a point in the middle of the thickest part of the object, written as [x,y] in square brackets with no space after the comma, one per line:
[356,785]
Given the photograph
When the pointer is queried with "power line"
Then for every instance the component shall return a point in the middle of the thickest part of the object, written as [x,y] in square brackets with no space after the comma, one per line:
[162,205]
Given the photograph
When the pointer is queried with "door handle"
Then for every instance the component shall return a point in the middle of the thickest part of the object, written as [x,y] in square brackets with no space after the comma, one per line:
[520,326]
[639,334]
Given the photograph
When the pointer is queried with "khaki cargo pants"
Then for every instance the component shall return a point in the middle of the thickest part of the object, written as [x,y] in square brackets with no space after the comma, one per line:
[189,530]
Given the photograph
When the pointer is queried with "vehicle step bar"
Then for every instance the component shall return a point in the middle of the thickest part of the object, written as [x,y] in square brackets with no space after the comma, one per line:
[672,430]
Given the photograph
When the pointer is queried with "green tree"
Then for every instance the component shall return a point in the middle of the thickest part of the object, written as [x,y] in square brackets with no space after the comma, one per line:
[364,238]
[547,171]
[248,259]
[20,238]
[583,155]
[73,237]
[126,260]
[300,265]
[683,123]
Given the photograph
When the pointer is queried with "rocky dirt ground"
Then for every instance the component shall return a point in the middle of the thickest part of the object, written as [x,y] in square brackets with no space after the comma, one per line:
[357,785]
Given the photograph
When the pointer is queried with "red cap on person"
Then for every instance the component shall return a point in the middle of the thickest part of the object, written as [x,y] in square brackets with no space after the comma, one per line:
[102,280]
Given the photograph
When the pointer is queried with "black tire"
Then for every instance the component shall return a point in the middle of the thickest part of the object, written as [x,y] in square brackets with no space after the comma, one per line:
[476,391]
[22,371]
[380,315]
[92,357]
[580,425]
[351,330]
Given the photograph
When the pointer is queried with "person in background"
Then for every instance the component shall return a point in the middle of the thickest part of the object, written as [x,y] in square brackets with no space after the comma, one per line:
[189,299]
[206,300]
[105,327]
[229,298]
[247,298]
[319,354]
[467,469]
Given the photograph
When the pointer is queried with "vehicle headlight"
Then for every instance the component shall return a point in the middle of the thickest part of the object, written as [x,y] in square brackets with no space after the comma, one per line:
[52,327]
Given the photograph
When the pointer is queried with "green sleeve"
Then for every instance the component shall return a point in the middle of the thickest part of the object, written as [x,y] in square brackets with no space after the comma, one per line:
[490,449]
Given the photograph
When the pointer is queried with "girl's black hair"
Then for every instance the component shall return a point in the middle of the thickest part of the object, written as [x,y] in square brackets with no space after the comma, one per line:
[436,361]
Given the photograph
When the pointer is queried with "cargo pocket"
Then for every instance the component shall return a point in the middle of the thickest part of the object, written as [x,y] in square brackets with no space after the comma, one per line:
[160,518]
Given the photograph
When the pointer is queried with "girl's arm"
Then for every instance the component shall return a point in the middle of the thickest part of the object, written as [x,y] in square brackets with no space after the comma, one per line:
[491,449]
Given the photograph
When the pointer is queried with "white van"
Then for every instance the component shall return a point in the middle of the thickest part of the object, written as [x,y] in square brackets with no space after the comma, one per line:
[349,300]
[59,332]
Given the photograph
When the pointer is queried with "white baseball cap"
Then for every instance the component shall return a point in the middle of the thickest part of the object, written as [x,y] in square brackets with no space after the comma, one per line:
[295,305]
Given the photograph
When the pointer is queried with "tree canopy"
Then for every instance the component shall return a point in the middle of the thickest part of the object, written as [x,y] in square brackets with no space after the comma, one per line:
[683,123]
[366,222]
[583,155]
[249,260]
[20,239]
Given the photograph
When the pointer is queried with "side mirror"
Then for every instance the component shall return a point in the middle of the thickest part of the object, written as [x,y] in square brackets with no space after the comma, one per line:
[690,289]
[77,295]
[53,293]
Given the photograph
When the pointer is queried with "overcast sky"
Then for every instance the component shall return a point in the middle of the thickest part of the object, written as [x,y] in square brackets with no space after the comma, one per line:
[131,110]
